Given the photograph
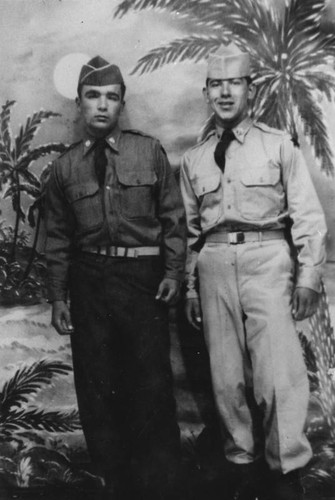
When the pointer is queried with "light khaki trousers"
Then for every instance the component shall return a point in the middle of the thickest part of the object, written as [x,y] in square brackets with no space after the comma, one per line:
[258,372]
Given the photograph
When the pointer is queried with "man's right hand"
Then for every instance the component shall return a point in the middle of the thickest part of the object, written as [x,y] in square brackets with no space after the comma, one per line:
[193,312]
[61,318]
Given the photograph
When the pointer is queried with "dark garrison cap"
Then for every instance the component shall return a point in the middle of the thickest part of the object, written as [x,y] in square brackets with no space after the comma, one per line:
[99,72]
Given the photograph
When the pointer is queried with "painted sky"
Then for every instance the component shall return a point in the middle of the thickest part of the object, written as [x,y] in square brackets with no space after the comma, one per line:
[36,34]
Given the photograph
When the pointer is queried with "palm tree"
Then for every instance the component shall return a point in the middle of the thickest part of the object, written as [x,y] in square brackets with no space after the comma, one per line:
[290,57]
[36,213]
[27,459]
[16,158]
[21,388]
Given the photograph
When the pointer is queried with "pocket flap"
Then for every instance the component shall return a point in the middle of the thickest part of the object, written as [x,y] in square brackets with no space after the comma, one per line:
[82,191]
[136,177]
[267,176]
[208,184]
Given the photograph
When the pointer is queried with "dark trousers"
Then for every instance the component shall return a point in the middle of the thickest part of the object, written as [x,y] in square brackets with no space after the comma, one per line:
[122,371]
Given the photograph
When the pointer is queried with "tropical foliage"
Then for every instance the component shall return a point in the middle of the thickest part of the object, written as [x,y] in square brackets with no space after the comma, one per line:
[21,270]
[16,396]
[28,456]
[290,53]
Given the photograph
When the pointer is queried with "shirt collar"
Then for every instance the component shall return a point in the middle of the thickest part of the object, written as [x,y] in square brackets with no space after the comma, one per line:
[240,130]
[111,139]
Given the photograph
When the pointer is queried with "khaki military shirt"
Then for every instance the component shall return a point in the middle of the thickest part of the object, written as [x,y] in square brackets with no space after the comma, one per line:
[266,182]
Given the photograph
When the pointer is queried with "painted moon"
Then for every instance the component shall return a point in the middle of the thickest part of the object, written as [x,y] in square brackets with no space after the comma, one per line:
[66,73]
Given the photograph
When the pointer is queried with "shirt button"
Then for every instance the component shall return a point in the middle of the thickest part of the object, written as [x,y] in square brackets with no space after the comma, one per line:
[87,143]
[229,207]
[229,181]
[108,188]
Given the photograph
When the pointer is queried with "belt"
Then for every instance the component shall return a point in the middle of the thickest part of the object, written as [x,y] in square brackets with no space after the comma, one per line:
[131,252]
[238,237]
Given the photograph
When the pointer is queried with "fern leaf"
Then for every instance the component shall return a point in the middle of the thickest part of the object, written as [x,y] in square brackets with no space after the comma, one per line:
[29,130]
[39,420]
[28,380]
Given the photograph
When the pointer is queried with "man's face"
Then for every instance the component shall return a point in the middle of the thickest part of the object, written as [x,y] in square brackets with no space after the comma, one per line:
[229,100]
[100,107]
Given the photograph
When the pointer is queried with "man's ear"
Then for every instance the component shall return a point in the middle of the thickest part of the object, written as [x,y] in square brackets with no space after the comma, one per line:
[205,94]
[78,102]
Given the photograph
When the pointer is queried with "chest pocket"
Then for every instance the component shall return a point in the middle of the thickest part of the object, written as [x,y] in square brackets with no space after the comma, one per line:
[86,202]
[261,195]
[137,193]
[208,190]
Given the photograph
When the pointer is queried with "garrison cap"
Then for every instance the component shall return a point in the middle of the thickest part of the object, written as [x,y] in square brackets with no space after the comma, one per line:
[228,62]
[99,72]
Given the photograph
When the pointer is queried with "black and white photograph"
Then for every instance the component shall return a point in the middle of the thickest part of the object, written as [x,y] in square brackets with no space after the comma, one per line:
[167,249]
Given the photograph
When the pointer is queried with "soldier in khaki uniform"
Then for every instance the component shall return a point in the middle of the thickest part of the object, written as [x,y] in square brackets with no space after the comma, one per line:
[243,186]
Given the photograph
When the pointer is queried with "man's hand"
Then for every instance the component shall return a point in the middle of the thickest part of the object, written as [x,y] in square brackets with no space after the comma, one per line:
[193,312]
[304,303]
[61,319]
[168,291]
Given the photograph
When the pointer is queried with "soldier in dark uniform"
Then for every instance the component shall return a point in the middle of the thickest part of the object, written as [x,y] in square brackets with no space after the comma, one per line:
[115,248]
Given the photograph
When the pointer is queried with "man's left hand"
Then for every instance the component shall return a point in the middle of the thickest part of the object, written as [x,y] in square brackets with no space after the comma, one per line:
[168,291]
[304,303]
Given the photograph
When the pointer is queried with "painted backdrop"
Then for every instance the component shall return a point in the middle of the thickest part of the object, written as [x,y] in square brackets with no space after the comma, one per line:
[161,48]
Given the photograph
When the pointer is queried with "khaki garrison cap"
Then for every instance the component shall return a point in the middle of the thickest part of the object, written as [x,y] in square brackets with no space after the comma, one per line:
[100,72]
[228,62]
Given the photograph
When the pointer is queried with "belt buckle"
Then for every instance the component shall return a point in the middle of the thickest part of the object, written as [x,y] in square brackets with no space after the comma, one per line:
[236,238]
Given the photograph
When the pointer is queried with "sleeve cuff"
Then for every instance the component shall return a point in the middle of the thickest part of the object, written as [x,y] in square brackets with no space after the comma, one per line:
[309,278]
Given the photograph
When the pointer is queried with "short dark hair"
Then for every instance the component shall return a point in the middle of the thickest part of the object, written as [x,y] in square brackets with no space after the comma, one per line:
[122,85]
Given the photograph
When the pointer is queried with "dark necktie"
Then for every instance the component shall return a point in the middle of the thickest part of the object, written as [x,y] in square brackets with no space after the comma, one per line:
[100,160]
[220,151]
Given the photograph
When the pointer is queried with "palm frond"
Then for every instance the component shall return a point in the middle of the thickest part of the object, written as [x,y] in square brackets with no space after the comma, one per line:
[39,420]
[5,130]
[326,44]
[22,188]
[178,6]
[39,152]
[191,48]
[323,82]
[28,380]
[30,178]
[324,348]
[304,16]
[314,126]
[29,130]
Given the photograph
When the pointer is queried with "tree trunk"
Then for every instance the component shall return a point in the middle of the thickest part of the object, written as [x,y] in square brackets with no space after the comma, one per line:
[33,249]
